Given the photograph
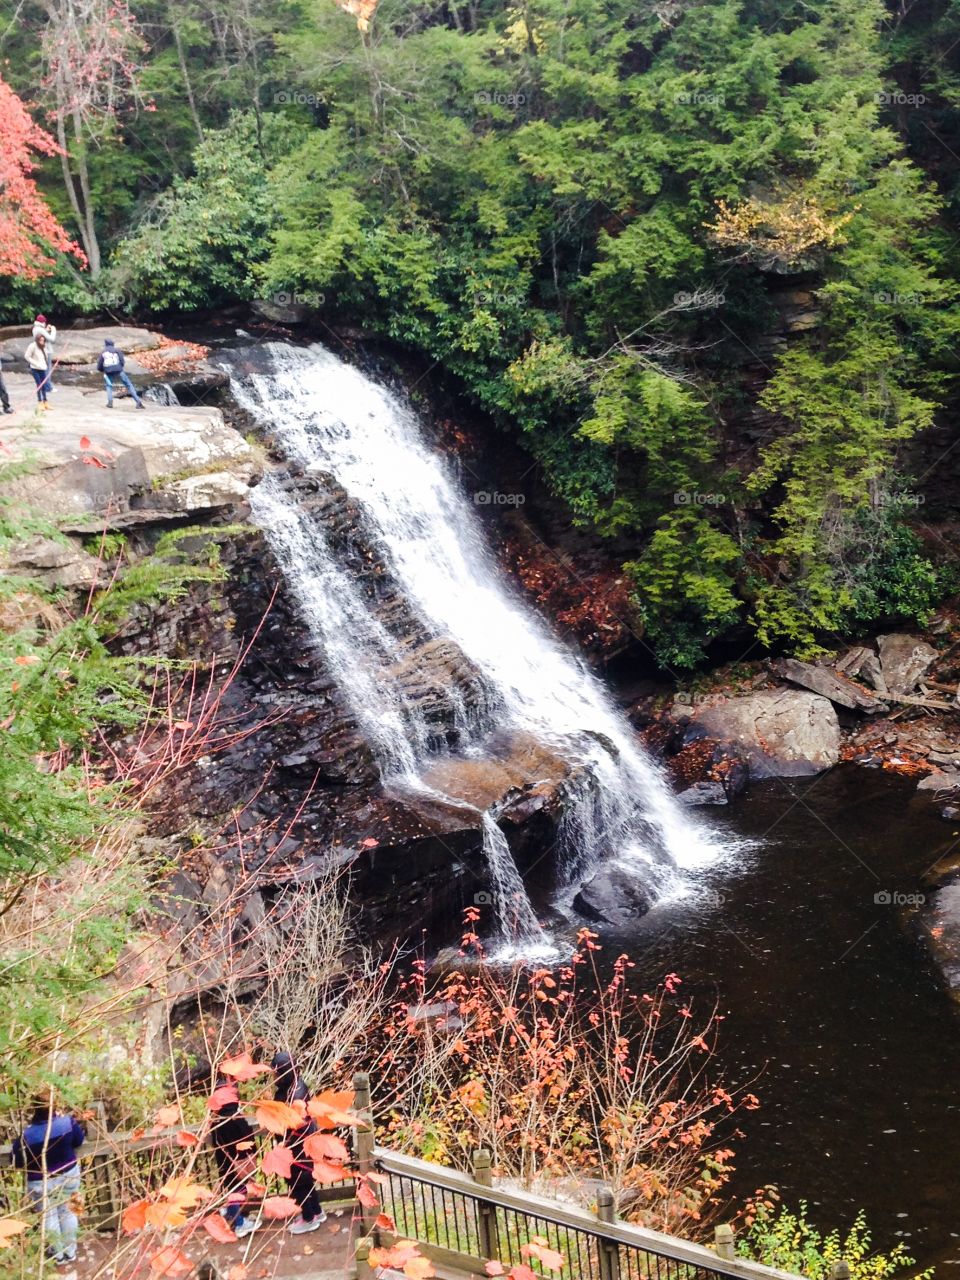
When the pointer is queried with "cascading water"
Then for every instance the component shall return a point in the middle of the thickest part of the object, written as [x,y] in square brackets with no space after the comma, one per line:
[329,417]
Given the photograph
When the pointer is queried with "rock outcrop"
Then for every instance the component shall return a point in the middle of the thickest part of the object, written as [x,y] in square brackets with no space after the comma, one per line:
[781,732]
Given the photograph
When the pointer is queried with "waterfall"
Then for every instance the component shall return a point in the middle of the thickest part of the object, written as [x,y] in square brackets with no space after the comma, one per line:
[329,417]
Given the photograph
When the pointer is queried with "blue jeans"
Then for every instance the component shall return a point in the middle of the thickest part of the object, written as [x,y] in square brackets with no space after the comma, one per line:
[52,1196]
[42,378]
[124,378]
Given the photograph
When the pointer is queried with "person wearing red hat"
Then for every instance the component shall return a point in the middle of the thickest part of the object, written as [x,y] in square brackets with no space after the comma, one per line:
[41,325]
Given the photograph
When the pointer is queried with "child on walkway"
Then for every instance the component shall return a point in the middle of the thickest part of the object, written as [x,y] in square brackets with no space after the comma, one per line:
[232,1140]
[290,1087]
[47,1150]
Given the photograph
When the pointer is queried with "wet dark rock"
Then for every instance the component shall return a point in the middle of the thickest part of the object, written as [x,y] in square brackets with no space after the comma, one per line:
[612,896]
[706,792]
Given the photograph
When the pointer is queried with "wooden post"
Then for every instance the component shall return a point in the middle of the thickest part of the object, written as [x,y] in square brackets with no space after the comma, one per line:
[486,1212]
[608,1250]
[364,1143]
[362,1268]
[840,1271]
[723,1241]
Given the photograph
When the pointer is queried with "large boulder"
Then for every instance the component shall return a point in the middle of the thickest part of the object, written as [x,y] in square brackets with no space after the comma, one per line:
[829,684]
[83,346]
[88,469]
[782,732]
[613,896]
[904,661]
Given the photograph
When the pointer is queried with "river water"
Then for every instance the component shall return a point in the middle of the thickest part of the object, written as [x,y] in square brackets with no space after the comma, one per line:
[833,1009]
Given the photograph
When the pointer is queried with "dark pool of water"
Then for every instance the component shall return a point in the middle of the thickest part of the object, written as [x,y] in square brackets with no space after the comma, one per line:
[833,1008]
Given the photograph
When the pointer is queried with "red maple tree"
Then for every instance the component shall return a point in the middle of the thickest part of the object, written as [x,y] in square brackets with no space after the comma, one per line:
[29,232]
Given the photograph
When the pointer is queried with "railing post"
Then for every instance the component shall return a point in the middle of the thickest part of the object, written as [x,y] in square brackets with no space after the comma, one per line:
[608,1250]
[723,1242]
[361,1254]
[486,1212]
[364,1142]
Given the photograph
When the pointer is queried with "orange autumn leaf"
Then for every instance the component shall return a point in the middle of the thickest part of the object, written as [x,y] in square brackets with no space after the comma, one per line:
[398,1255]
[539,1247]
[325,1172]
[242,1067]
[277,1162]
[134,1217]
[275,1207]
[187,1139]
[330,1109]
[26,659]
[494,1268]
[10,1227]
[167,1116]
[419,1269]
[165,1216]
[184,1192]
[217,1227]
[223,1096]
[326,1146]
[362,10]
[237,1272]
[170,1262]
[385,1222]
[366,1195]
[84,442]
[277,1117]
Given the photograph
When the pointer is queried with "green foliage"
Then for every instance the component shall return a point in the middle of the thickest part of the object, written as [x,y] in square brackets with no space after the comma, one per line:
[788,1241]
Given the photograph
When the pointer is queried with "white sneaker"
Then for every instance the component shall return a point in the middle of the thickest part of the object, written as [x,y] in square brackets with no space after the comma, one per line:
[246,1228]
[299,1227]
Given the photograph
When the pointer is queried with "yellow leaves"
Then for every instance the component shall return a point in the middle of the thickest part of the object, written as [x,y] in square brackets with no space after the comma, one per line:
[10,1227]
[277,1117]
[362,10]
[778,231]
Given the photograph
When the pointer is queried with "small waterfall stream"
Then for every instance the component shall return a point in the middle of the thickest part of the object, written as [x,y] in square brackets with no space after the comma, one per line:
[327,416]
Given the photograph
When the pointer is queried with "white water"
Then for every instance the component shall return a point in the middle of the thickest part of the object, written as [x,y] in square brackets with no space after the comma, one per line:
[329,417]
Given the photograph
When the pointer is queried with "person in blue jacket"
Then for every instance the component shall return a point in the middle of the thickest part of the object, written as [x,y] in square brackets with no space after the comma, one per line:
[47,1151]
[110,364]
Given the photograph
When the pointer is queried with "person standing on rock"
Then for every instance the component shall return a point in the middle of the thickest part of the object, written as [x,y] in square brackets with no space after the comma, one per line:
[111,365]
[47,1151]
[42,327]
[36,357]
[234,1149]
[290,1087]
[5,395]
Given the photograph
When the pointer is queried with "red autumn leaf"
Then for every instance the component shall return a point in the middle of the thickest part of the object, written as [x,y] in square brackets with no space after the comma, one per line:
[522,1272]
[330,1109]
[221,1097]
[91,461]
[277,1162]
[326,1146]
[84,442]
[242,1067]
[277,1117]
[134,1217]
[369,843]
[366,1196]
[493,1268]
[170,1262]
[275,1207]
[215,1226]
[385,1222]
[187,1139]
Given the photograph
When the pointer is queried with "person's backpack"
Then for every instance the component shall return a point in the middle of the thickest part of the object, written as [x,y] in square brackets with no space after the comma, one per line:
[111,361]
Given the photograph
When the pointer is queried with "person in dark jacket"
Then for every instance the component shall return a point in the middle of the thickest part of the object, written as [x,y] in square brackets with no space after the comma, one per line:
[47,1151]
[290,1087]
[232,1139]
[111,364]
